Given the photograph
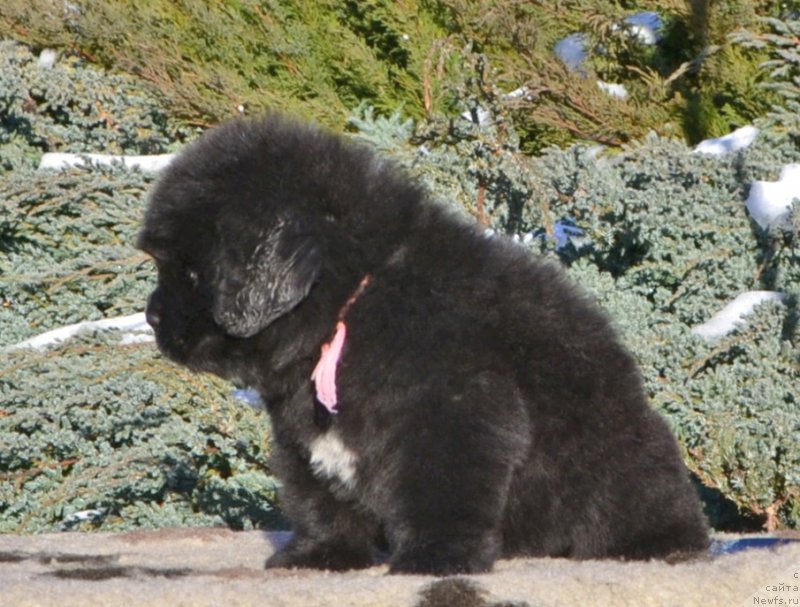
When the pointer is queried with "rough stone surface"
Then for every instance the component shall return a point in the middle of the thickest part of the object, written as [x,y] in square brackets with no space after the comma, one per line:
[197,567]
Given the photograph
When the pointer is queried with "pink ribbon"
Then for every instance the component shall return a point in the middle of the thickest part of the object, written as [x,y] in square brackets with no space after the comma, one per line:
[324,375]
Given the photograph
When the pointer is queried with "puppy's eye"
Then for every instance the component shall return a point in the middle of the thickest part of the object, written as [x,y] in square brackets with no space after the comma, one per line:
[193,277]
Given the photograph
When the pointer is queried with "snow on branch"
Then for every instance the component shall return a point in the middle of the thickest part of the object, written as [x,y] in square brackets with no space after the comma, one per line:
[57,161]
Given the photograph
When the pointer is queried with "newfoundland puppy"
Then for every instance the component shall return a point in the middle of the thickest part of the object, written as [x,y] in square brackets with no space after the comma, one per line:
[433,392]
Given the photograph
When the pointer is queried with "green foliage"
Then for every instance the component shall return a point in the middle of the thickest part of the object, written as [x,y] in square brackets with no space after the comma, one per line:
[323,59]
[116,432]
[722,87]
[514,44]
[209,58]
[66,249]
[72,106]
[94,434]
[66,238]
[780,42]
[129,440]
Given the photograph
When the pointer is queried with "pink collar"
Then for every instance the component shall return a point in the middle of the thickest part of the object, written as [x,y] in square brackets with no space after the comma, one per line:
[324,375]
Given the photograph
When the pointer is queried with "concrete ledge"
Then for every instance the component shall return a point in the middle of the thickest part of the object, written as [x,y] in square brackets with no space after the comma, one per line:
[194,567]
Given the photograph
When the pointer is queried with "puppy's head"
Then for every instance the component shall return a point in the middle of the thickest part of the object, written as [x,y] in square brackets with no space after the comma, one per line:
[235,250]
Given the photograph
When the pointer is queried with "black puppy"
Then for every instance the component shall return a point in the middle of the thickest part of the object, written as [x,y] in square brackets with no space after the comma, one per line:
[466,403]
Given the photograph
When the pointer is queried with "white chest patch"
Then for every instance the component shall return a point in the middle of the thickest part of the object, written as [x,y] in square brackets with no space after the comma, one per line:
[331,459]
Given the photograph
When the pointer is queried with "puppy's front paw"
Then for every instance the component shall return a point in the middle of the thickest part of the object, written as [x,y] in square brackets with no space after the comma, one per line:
[320,556]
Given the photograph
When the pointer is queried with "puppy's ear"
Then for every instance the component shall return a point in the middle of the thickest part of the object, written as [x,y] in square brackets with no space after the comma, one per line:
[264,280]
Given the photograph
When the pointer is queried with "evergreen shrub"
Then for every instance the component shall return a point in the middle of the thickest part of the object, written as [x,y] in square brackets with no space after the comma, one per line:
[97,434]
[211,59]
[66,105]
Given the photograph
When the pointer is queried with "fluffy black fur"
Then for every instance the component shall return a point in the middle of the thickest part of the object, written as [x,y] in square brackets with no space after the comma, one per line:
[486,407]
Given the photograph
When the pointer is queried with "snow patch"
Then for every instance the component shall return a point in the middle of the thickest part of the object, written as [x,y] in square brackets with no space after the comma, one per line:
[522,92]
[739,139]
[770,202]
[477,116]
[47,59]
[726,320]
[135,327]
[481,116]
[78,517]
[614,90]
[129,339]
[58,161]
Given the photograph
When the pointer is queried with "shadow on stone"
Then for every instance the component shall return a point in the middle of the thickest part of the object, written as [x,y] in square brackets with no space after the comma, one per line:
[460,592]
[99,574]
